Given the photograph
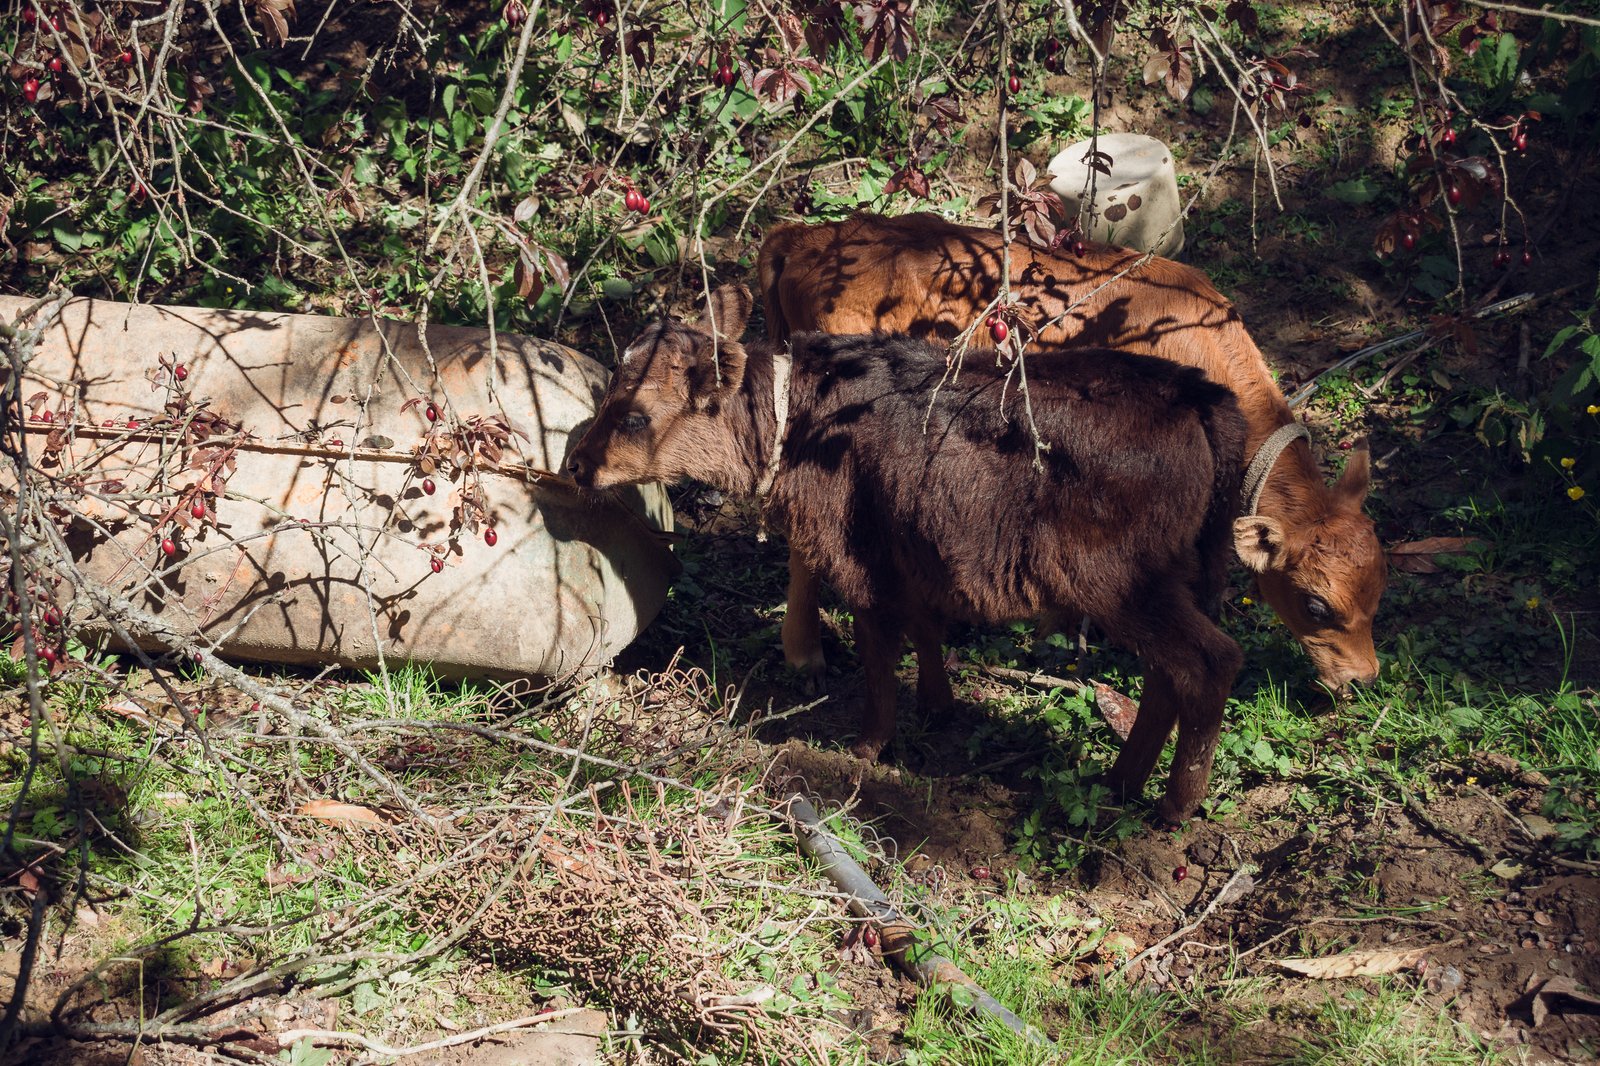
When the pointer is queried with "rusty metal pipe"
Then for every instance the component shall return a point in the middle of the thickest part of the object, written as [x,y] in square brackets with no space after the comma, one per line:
[899,937]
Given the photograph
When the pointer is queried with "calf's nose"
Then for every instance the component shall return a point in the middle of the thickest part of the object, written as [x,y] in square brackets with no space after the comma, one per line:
[581,469]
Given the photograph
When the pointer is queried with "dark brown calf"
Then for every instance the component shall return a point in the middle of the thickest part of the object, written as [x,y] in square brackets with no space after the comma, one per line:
[1314,553]
[920,499]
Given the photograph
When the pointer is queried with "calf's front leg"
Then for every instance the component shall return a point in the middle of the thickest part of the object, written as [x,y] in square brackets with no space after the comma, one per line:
[878,642]
[802,625]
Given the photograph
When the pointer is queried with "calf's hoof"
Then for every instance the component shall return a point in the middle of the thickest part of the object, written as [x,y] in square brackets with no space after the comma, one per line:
[867,749]
[1172,815]
[810,679]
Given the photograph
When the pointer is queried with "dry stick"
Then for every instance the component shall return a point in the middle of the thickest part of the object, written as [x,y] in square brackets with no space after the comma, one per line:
[325,1037]
[1420,812]
[1543,12]
[1533,837]
[1524,349]
[1444,184]
[1222,894]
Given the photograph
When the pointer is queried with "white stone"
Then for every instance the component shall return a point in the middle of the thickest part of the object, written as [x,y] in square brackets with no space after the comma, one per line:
[1135,203]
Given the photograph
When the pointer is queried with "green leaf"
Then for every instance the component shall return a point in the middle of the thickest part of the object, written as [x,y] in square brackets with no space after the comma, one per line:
[449,97]
[462,127]
[66,238]
[1439,266]
[1560,338]
[389,115]
[1356,191]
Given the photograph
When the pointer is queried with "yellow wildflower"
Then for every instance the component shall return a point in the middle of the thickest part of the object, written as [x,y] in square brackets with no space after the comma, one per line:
[1576,492]
[1569,462]
[1072,666]
[1472,780]
[1532,603]
[1247,601]
[1594,410]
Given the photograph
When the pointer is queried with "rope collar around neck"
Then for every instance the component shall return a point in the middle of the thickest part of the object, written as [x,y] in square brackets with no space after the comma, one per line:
[1255,477]
[782,362]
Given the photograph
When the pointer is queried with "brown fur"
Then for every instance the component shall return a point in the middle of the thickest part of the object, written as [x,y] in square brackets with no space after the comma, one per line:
[922,500]
[1311,547]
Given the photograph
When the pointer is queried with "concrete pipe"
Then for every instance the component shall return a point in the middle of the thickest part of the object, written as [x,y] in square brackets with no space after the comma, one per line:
[285,463]
[1135,203]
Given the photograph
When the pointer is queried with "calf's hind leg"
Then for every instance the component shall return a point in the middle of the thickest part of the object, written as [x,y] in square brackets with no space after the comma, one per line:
[1189,669]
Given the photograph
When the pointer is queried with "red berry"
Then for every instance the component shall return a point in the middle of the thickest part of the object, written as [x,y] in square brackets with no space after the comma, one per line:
[54,64]
[255,707]
[1448,137]
[52,617]
[869,936]
[1522,142]
[336,443]
[728,76]
[644,204]
[47,416]
[1052,45]
[998,331]
[108,423]
[1079,249]
[988,323]
[169,547]
[436,563]
[198,510]
[1527,258]
[1500,258]
[601,18]
[1407,241]
[48,655]
[433,413]
[137,190]
[180,372]
[1015,84]
[980,873]
[30,90]
[1454,194]
[631,200]
[55,24]
[490,536]
[1179,873]
[133,423]
[126,59]
[29,17]
[1344,446]
[427,485]
[1051,63]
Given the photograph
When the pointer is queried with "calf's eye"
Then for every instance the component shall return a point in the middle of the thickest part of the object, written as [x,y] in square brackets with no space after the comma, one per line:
[1318,609]
[635,422]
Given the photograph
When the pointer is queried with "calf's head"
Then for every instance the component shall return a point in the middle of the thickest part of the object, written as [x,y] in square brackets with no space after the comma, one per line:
[663,416]
[1324,574]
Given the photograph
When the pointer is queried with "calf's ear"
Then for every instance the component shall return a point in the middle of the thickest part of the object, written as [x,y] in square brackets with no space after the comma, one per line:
[1260,543]
[727,312]
[1351,488]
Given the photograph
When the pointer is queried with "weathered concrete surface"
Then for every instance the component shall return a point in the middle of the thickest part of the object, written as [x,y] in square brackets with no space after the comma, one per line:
[275,572]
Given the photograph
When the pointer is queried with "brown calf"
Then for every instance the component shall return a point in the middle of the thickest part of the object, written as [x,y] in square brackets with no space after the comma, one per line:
[920,499]
[1314,553]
